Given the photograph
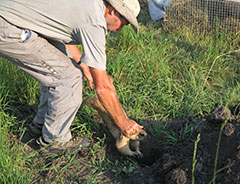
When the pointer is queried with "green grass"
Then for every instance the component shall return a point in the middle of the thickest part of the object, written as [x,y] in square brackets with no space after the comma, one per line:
[14,165]
[171,75]
[158,76]
[194,158]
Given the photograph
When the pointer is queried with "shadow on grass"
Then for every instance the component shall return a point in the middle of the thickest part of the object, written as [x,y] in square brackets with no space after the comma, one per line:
[24,116]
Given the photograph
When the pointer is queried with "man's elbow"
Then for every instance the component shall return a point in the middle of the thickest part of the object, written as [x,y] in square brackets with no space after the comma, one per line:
[105,91]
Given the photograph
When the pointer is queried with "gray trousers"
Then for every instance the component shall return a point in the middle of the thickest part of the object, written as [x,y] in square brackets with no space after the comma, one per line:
[60,77]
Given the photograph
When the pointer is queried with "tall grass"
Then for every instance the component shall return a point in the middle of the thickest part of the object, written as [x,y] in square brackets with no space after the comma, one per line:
[13,164]
[173,75]
[158,76]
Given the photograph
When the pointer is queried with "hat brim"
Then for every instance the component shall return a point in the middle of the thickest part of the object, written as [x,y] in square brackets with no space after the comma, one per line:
[125,12]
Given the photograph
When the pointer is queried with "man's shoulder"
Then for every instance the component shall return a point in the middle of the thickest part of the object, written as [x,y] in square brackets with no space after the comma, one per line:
[90,12]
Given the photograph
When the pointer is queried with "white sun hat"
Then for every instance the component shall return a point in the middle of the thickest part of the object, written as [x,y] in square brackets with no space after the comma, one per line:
[128,9]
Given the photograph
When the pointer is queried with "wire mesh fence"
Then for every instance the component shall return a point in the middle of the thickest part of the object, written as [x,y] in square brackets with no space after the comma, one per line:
[204,15]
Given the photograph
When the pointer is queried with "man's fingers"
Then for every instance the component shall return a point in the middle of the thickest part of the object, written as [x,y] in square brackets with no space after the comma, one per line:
[91,85]
[136,128]
[88,75]
[90,80]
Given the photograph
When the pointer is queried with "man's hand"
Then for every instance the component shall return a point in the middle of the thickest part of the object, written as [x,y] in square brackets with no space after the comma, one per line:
[130,127]
[88,75]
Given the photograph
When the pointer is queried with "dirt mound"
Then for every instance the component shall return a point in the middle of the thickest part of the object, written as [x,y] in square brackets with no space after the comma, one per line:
[174,163]
[168,154]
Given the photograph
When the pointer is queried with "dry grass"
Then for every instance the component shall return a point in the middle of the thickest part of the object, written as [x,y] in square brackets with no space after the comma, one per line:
[203,16]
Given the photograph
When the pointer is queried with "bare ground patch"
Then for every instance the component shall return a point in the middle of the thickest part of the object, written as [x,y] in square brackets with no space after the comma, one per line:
[165,160]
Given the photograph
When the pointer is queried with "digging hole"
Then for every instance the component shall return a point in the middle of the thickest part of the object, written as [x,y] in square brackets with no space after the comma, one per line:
[151,152]
[149,157]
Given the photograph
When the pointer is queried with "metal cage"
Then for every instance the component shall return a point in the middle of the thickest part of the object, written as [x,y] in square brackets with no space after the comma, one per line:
[204,15]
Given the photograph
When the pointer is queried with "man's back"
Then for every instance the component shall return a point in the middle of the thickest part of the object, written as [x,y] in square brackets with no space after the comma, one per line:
[56,19]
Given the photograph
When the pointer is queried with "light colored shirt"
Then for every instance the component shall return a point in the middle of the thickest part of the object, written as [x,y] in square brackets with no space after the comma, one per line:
[67,21]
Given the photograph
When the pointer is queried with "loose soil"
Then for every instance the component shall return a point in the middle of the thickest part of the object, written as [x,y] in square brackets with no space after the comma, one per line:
[174,164]
[165,160]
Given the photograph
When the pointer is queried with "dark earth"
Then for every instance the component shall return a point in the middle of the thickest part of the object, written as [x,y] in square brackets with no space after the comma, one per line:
[166,160]
[173,164]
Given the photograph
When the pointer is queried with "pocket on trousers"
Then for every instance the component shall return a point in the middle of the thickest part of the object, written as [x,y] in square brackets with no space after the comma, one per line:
[9,31]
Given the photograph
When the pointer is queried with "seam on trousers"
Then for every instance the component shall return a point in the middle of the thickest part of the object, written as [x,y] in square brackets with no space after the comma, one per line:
[48,67]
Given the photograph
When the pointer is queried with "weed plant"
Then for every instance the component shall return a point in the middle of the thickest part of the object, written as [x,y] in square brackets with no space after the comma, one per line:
[158,75]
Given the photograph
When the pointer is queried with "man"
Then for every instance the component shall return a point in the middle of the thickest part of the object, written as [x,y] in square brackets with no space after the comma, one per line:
[33,35]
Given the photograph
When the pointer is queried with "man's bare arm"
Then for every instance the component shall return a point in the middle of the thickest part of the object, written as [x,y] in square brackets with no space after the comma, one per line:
[76,54]
[107,95]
